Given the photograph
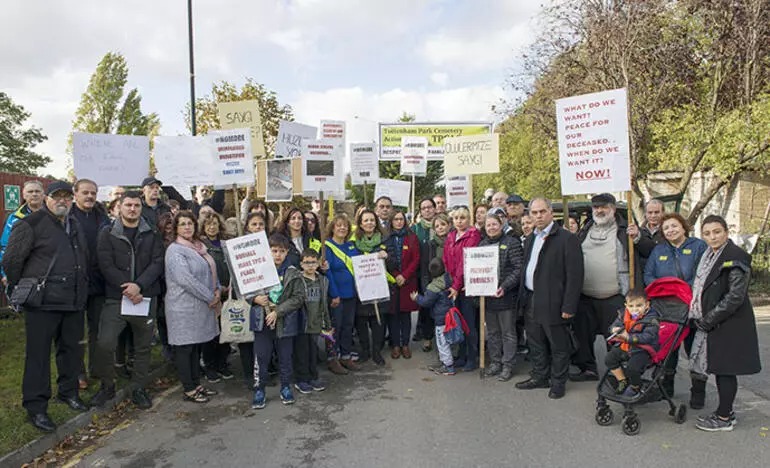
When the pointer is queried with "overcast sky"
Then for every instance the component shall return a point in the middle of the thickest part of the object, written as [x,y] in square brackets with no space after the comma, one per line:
[328,59]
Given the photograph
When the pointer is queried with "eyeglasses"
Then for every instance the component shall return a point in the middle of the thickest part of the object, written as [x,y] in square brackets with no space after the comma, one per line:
[61,196]
[310,262]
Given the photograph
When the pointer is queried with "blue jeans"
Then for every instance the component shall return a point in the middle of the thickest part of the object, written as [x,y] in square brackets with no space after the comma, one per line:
[343,319]
[265,342]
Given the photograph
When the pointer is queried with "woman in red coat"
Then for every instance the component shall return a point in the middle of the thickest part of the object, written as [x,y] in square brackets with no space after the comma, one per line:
[403,262]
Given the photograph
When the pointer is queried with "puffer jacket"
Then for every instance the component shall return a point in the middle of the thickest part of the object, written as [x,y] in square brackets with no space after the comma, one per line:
[509,270]
[644,332]
[667,260]
[436,298]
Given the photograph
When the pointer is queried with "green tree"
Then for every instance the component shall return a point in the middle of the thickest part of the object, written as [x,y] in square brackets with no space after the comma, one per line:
[16,141]
[102,108]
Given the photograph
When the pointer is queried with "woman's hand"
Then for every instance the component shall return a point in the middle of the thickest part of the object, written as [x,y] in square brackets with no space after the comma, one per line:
[335,302]
[413,295]
[400,280]
[382,254]
[499,292]
[325,266]
[452,293]
[214,302]
[261,301]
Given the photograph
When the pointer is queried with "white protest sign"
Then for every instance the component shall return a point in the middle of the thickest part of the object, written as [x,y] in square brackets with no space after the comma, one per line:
[594,154]
[371,283]
[333,130]
[250,263]
[480,270]
[458,191]
[414,156]
[320,161]
[396,190]
[233,158]
[184,160]
[474,154]
[241,114]
[111,159]
[364,164]
[290,136]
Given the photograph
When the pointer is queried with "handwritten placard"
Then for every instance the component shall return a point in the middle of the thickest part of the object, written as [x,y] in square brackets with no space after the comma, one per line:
[250,263]
[290,136]
[184,160]
[244,114]
[594,153]
[111,159]
[480,266]
[475,154]
[371,283]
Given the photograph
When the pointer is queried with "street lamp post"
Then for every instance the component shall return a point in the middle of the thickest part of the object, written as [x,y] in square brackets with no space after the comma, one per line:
[192,67]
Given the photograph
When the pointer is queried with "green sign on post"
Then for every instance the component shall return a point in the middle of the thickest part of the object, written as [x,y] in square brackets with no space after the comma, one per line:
[12,197]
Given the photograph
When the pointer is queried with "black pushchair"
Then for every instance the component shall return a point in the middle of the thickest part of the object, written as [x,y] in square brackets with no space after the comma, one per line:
[671,298]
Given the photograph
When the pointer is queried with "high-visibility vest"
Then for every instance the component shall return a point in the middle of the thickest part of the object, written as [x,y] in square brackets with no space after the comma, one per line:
[315,244]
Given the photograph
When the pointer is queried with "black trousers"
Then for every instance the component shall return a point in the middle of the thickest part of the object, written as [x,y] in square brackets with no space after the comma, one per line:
[246,351]
[187,359]
[124,353]
[425,325]
[550,348]
[727,387]
[41,329]
[215,354]
[594,317]
[305,357]
[93,314]
[371,334]
[636,362]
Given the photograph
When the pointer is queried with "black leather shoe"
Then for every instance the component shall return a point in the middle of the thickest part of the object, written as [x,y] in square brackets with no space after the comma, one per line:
[42,422]
[556,392]
[530,384]
[74,402]
[141,399]
[101,397]
[584,376]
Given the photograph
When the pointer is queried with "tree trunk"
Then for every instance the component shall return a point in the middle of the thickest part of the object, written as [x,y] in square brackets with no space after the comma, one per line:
[714,186]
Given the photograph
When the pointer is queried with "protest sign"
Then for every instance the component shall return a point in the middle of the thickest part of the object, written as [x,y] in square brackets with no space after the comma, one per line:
[414,156]
[333,130]
[396,190]
[364,165]
[594,154]
[233,159]
[371,283]
[279,180]
[111,159]
[475,154]
[184,160]
[244,114]
[290,136]
[458,191]
[391,134]
[480,265]
[250,263]
[320,165]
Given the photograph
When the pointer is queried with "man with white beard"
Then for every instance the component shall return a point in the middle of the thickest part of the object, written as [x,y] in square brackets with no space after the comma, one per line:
[605,255]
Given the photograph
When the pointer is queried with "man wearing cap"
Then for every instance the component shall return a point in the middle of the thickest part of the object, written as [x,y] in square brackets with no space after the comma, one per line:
[514,208]
[32,193]
[649,234]
[605,255]
[152,205]
[92,217]
[49,245]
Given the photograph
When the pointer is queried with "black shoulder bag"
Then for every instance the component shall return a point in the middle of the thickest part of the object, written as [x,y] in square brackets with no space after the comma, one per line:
[28,292]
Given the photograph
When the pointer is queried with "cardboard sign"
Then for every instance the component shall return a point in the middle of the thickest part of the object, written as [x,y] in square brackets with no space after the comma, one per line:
[244,114]
[111,159]
[233,158]
[364,165]
[371,283]
[290,136]
[594,154]
[11,197]
[414,156]
[279,180]
[475,154]
[458,191]
[251,264]
[480,270]
[184,160]
[396,190]
[392,133]
[320,165]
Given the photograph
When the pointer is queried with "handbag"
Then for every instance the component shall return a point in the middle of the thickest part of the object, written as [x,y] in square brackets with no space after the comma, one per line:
[234,321]
[29,291]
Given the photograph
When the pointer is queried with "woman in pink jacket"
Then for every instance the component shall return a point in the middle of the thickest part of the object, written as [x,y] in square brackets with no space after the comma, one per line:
[464,235]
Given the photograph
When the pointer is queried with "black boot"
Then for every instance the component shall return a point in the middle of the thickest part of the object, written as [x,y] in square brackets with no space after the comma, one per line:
[698,394]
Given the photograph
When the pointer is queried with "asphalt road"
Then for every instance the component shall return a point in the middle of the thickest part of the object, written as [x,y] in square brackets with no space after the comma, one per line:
[404,416]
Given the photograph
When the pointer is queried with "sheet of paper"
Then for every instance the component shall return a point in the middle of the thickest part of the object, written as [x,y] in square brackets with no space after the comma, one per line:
[139,310]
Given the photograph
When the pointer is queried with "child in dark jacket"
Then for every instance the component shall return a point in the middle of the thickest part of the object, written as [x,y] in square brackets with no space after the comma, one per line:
[636,332]
[436,298]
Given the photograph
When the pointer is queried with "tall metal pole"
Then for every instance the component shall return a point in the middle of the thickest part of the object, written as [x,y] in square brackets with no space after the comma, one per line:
[192,67]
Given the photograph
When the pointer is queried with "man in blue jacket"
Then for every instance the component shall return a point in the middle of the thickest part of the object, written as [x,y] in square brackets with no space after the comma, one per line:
[32,193]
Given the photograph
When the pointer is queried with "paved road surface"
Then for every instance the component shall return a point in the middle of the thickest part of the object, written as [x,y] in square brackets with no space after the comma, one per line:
[404,416]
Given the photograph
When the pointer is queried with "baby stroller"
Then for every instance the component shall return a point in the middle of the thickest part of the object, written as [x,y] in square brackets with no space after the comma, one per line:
[671,298]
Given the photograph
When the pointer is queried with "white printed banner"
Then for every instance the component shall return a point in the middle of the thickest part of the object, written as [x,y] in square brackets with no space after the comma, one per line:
[233,158]
[364,163]
[414,156]
[458,191]
[320,165]
[251,263]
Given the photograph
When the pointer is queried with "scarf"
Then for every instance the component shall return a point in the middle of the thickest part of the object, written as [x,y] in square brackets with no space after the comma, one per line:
[201,250]
[698,354]
[368,244]
[427,225]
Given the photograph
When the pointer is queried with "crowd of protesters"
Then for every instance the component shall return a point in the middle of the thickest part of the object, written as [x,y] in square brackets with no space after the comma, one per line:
[559,287]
